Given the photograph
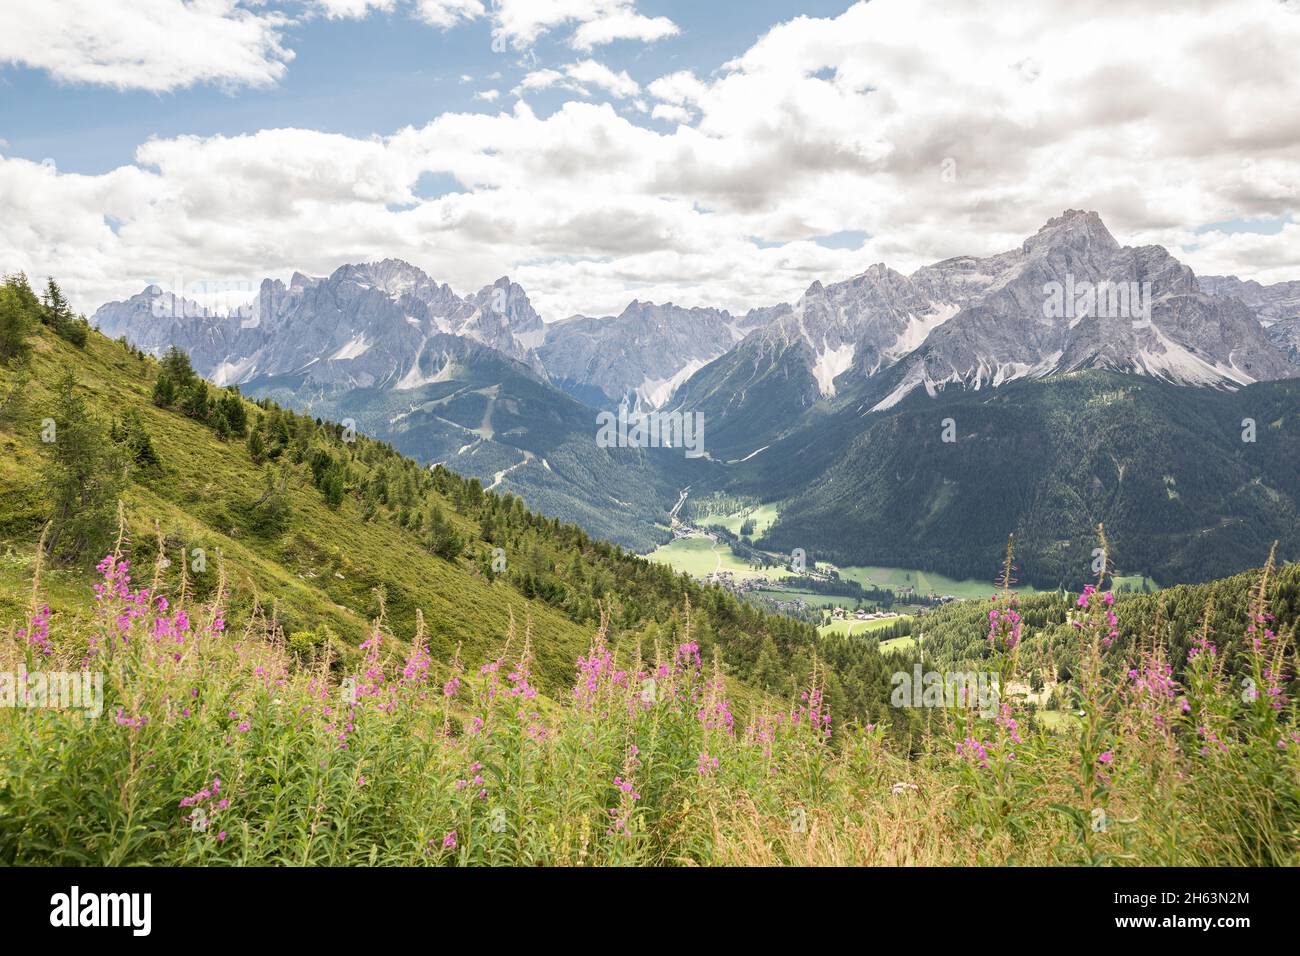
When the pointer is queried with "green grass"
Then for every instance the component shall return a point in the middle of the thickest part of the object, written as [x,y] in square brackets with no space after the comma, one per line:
[905,643]
[812,600]
[923,581]
[1134,582]
[700,557]
[696,556]
[87,790]
[764,516]
[322,569]
[1057,720]
[862,627]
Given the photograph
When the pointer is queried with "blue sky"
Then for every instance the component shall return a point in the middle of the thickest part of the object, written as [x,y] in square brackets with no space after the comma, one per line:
[718,153]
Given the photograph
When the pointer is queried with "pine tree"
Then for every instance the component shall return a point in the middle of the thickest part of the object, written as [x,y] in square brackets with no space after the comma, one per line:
[219,423]
[164,392]
[176,366]
[57,314]
[195,402]
[133,437]
[17,320]
[232,407]
[443,539]
[256,446]
[56,305]
[333,488]
[83,477]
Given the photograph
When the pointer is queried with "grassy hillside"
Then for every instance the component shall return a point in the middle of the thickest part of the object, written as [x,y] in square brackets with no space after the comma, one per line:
[318,565]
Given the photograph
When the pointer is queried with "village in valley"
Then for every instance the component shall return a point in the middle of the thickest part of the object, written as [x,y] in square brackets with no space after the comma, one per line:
[717,546]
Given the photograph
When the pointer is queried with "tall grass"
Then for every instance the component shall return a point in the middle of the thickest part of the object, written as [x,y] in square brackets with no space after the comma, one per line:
[224,747]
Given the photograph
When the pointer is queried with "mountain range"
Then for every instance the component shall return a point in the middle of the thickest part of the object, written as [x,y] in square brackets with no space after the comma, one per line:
[828,406]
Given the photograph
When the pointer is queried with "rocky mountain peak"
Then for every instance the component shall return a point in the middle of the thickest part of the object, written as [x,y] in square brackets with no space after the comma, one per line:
[1075,228]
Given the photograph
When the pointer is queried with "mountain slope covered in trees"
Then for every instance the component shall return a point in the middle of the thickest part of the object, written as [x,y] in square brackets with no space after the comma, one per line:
[1195,483]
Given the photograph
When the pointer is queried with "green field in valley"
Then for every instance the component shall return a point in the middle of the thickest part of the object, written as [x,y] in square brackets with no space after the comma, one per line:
[701,557]
[923,581]
[764,516]
[863,627]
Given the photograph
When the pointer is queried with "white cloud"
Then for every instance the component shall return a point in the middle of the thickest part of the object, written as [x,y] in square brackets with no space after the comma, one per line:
[539,80]
[822,126]
[447,13]
[577,77]
[155,45]
[623,25]
[597,74]
[488,95]
[681,88]
[674,114]
[352,9]
[599,21]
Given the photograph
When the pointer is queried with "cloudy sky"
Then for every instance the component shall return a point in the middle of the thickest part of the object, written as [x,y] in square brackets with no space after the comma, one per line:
[719,153]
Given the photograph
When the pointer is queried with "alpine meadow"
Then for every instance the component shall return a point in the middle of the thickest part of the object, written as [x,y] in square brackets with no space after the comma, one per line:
[629,433]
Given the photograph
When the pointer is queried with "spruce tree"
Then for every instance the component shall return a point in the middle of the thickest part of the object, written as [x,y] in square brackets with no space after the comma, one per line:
[83,477]
[16,323]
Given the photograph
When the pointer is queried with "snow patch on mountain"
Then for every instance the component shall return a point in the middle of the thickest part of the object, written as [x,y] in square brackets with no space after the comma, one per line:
[914,377]
[353,348]
[1174,362]
[230,372]
[830,363]
[656,392]
[918,327]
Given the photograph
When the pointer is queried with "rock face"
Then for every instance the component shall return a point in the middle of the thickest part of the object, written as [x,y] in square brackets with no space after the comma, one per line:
[1272,303]
[1276,306]
[501,317]
[1069,298]
[366,325]
[641,356]
[1072,298]
[153,320]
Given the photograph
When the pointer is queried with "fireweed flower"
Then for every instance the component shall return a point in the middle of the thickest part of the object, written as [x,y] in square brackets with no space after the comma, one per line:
[626,792]
[1008,723]
[116,599]
[974,751]
[811,712]
[1155,691]
[1210,740]
[1004,624]
[203,807]
[595,673]
[38,636]
[415,671]
[133,722]
[1098,606]
[1201,645]
[375,682]
[715,711]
